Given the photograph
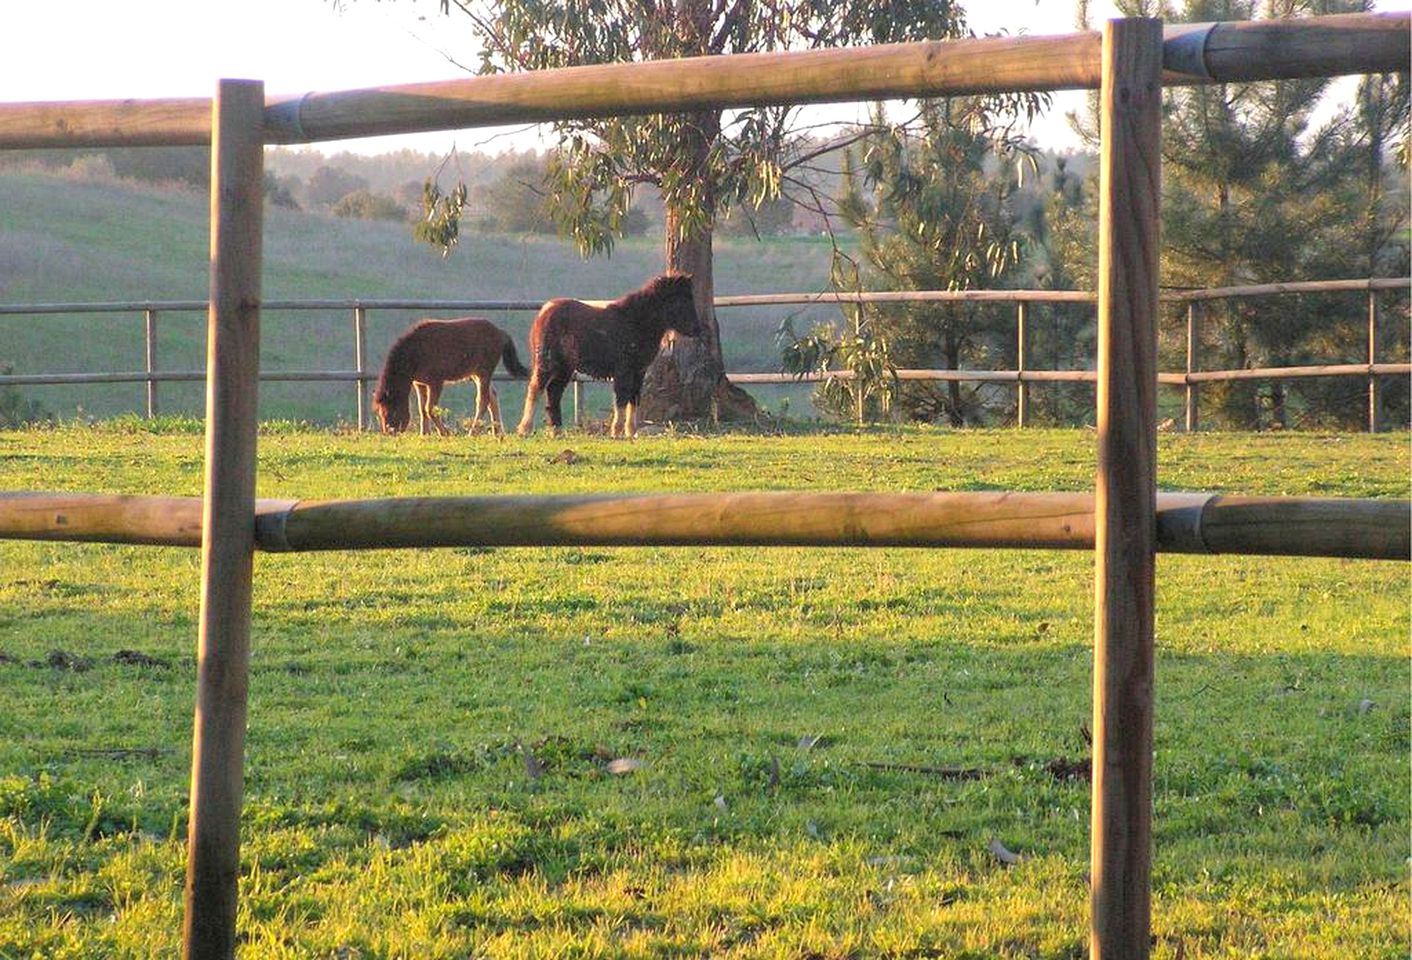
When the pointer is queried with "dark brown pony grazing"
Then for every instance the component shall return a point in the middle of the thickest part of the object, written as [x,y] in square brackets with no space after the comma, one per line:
[614,342]
[432,353]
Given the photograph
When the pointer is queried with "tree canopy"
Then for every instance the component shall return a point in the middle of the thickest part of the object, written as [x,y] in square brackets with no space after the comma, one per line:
[702,163]
[1257,188]
[931,205]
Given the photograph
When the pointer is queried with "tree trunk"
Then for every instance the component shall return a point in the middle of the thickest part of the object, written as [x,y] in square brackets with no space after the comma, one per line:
[687,380]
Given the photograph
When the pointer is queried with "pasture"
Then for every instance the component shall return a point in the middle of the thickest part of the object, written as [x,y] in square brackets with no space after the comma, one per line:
[699,752]
[64,240]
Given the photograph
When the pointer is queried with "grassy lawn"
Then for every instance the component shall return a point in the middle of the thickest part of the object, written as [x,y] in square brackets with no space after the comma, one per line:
[65,241]
[430,763]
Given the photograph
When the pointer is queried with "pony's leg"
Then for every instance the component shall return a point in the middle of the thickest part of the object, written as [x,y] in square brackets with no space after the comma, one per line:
[433,398]
[526,426]
[625,391]
[420,389]
[553,403]
[480,405]
[634,396]
[497,425]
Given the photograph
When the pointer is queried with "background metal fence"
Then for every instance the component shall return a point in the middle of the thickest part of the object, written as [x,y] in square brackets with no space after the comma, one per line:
[1023,376]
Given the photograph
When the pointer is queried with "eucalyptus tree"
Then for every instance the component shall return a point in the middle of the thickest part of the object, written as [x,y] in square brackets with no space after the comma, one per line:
[703,163]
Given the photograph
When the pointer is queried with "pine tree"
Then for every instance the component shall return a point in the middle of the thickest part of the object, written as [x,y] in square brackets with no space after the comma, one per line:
[932,209]
[1253,192]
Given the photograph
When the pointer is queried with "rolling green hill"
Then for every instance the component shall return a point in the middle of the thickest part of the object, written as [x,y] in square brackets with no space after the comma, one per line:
[75,240]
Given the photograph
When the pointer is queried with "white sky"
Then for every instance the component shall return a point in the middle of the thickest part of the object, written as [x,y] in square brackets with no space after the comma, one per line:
[101,49]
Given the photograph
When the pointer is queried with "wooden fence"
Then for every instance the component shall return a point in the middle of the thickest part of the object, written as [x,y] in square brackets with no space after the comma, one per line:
[1022,377]
[1128,63]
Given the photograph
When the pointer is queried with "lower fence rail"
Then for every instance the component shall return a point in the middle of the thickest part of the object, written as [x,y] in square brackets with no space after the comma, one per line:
[1186,522]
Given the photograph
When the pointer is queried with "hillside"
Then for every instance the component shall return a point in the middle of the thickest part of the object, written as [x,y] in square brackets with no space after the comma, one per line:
[76,240]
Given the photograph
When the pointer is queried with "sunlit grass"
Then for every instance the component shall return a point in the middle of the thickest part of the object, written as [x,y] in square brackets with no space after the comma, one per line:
[427,771]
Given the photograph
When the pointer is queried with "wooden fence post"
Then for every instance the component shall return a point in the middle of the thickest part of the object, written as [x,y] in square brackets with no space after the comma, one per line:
[149,336]
[1125,502]
[1374,399]
[1193,333]
[360,362]
[1022,396]
[228,520]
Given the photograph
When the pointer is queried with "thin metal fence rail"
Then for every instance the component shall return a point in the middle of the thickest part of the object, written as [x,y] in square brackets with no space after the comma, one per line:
[1022,377]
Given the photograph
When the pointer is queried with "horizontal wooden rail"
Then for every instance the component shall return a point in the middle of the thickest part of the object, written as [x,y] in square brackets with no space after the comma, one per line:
[1298,373]
[1193,53]
[1186,522]
[909,296]
[740,300]
[180,376]
[1020,377]
[347,303]
[1292,286]
[939,376]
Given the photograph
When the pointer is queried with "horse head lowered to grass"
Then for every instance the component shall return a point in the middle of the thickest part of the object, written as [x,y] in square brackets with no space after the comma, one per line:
[433,353]
[614,342]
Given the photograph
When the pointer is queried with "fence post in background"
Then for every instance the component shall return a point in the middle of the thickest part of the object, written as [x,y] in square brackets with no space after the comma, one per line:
[228,520]
[1192,335]
[1125,500]
[360,363]
[1022,395]
[578,403]
[149,333]
[1374,396]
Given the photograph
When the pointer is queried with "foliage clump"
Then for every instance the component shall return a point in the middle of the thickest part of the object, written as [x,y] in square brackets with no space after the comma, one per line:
[932,205]
[366,205]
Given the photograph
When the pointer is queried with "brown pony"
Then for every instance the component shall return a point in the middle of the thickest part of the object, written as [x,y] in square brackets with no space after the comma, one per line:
[614,342]
[432,353]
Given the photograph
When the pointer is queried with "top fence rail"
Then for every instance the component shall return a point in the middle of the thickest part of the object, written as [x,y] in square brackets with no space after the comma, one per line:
[736,300]
[1192,54]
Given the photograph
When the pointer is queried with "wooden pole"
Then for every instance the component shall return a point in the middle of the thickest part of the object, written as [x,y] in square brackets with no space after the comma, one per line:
[1192,333]
[149,332]
[1373,398]
[228,541]
[1022,394]
[1186,522]
[360,363]
[1126,491]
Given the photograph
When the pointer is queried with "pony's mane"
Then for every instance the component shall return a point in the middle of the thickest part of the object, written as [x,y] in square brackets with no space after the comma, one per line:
[659,288]
[397,359]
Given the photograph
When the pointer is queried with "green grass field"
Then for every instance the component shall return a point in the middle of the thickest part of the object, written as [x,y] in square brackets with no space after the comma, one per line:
[429,762]
[64,241]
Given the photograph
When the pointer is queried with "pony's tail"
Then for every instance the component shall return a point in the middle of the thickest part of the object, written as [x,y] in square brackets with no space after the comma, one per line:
[511,359]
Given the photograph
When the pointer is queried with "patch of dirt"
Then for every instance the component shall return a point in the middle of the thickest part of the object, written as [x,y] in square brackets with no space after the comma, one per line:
[1062,768]
[63,660]
[138,659]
